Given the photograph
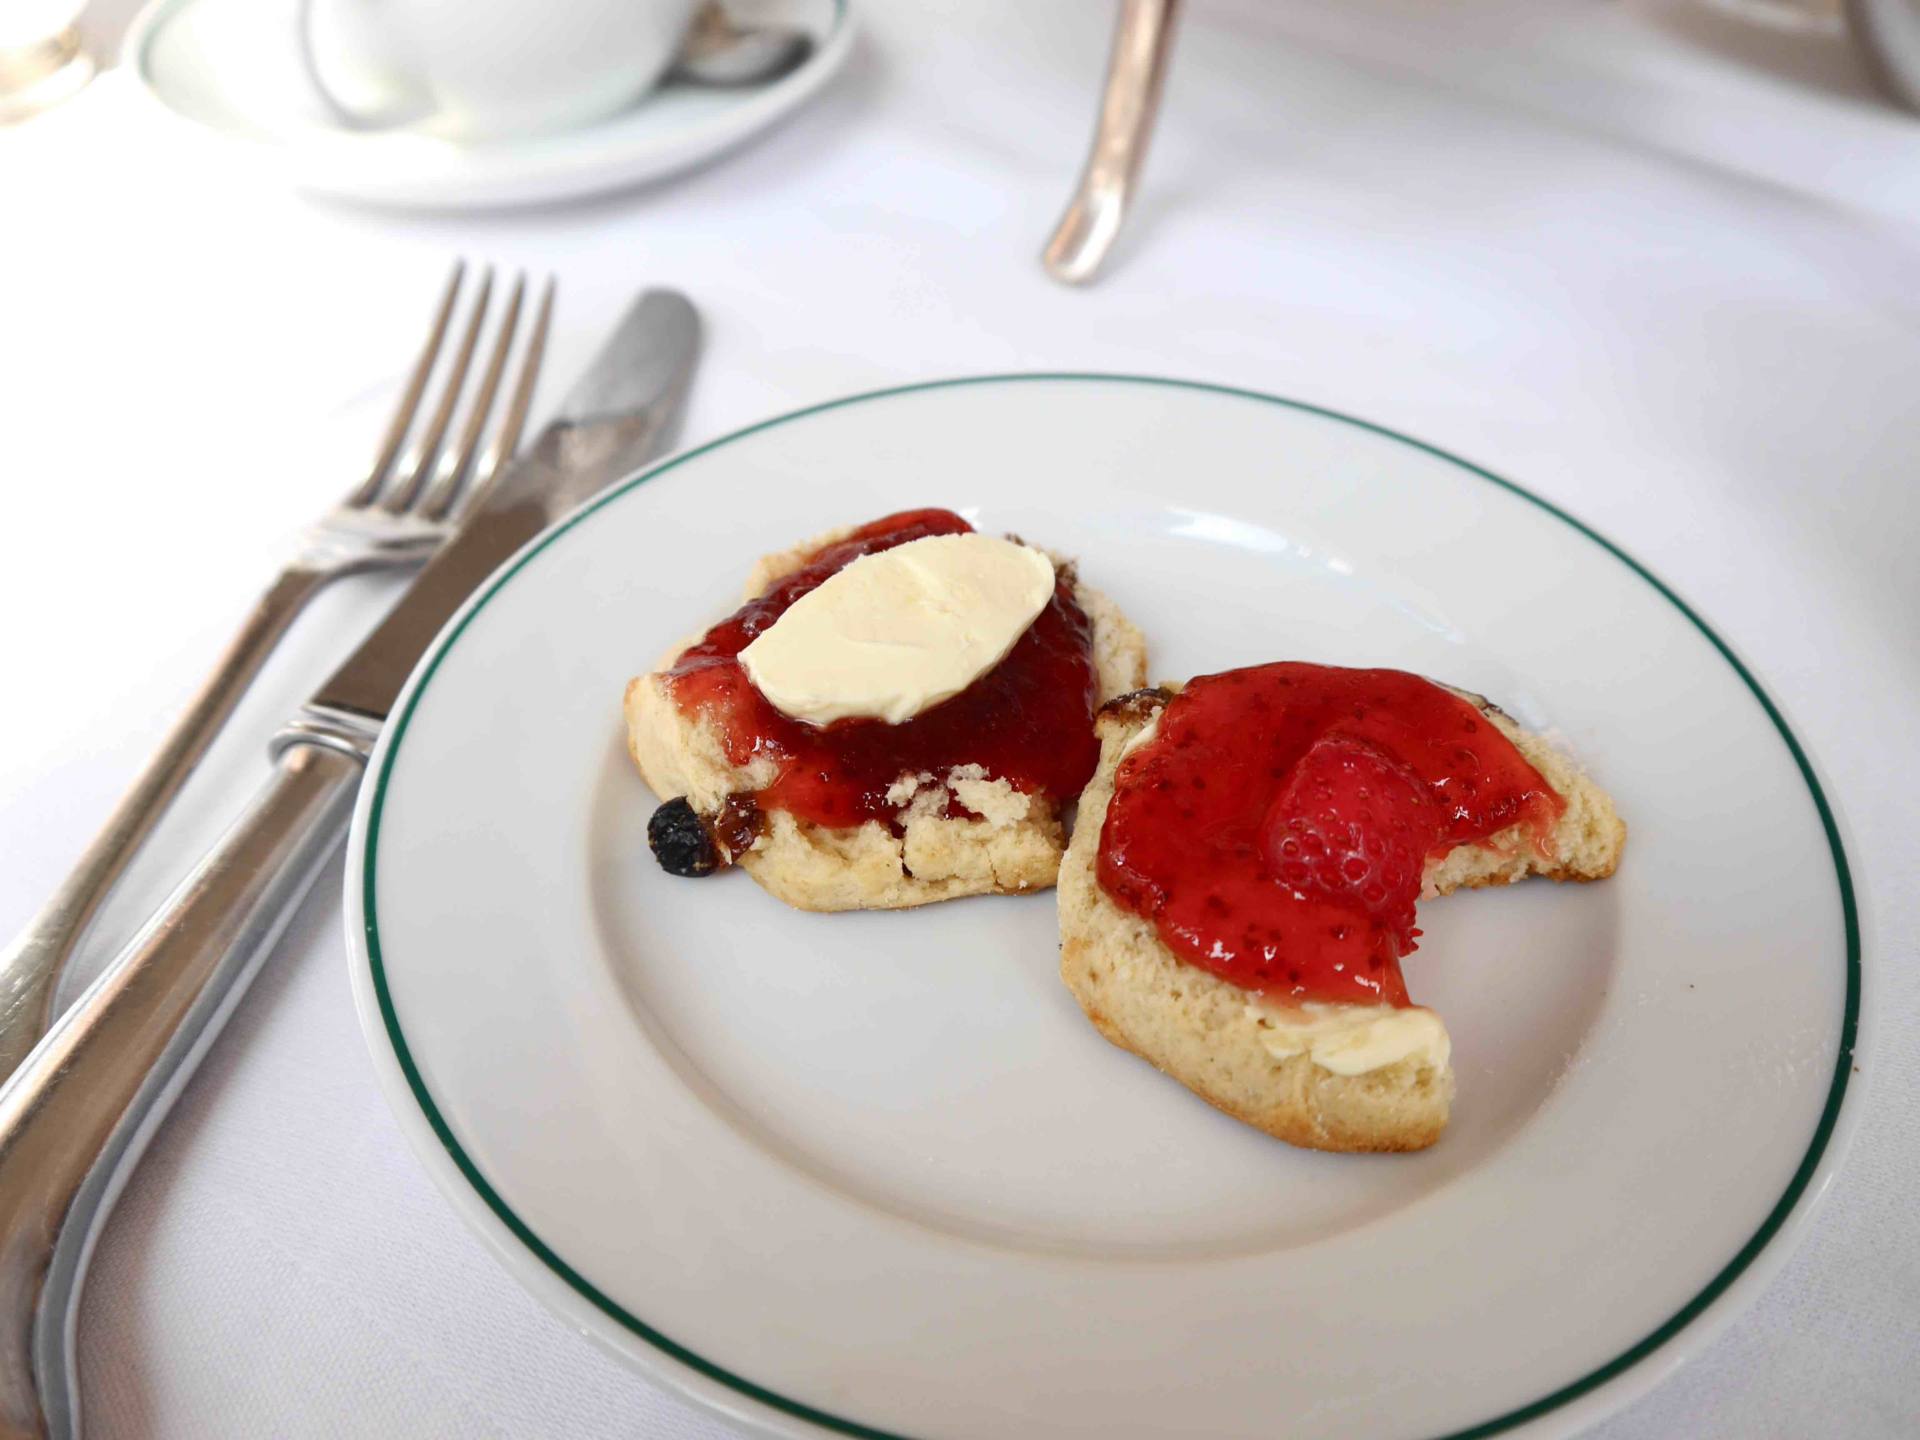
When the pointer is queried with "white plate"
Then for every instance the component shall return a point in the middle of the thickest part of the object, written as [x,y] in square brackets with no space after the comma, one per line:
[875,1173]
[234,68]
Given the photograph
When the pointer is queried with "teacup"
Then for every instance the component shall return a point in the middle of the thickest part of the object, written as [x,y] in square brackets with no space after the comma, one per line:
[487,69]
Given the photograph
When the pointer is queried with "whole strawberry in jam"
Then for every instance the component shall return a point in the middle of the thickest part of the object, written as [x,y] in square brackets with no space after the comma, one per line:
[1354,825]
[1276,825]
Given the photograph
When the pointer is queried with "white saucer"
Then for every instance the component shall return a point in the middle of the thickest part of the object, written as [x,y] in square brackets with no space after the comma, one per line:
[234,68]
[875,1175]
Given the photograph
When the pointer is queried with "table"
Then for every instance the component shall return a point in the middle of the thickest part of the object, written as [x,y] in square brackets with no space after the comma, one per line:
[1656,266]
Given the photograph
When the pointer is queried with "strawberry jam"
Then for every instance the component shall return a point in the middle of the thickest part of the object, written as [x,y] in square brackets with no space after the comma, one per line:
[1028,721]
[1276,824]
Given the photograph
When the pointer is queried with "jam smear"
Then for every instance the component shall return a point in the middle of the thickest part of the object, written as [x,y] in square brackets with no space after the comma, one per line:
[1275,826]
[1028,721]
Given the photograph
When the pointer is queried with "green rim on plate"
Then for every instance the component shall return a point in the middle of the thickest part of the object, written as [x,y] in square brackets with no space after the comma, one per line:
[1681,1318]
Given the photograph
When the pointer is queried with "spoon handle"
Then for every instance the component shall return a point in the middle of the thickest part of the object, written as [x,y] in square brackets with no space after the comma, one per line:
[1136,73]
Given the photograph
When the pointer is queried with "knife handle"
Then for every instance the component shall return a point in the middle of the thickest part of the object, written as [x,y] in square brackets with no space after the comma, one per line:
[76,1115]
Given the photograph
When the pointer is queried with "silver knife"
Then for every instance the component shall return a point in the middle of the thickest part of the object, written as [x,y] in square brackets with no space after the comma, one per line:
[76,1115]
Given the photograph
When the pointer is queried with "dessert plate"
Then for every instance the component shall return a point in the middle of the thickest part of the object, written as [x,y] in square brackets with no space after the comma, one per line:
[233,69]
[875,1175]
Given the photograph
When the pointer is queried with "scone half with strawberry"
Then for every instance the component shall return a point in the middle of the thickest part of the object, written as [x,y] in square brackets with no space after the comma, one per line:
[1240,888]
[898,713]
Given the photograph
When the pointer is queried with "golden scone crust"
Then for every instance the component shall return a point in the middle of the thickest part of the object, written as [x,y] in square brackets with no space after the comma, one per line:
[1205,1032]
[1014,846]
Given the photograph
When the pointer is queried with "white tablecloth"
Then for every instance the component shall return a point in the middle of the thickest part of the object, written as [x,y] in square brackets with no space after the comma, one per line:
[1656,266]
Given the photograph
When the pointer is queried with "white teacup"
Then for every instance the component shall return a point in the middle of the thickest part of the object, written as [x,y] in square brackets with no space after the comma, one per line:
[485,69]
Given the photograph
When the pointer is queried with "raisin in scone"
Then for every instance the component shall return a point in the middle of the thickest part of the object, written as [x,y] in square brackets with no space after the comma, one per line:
[874,770]
[1240,888]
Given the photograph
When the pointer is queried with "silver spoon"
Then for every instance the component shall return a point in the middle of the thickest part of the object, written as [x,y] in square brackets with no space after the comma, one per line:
[719,52]
[1888,34]
[1136,73]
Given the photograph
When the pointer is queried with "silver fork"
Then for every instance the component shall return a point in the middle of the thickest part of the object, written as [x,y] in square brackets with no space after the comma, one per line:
[409,502]
[1136,74]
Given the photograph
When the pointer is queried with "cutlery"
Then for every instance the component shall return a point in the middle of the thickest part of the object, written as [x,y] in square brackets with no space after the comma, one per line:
[38,71]
[720,52]
[1136,73]
[1887,35]
[397,515]
[75,1117]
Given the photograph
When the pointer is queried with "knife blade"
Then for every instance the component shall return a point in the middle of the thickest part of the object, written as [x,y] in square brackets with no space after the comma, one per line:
[78,1112]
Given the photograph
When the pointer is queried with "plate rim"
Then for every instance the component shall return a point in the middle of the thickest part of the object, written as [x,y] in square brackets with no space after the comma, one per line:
[1825,1149]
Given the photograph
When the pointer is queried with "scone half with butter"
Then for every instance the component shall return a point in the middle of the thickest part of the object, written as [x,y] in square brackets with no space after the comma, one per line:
[1241,884]
[898,713]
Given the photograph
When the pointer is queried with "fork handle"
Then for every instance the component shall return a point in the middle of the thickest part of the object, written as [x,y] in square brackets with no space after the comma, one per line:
[76,1116]
[30,966]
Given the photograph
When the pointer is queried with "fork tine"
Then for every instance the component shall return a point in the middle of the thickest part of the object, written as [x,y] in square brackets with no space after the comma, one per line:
[419,462]
[507,439]
[457,463]
[402,420]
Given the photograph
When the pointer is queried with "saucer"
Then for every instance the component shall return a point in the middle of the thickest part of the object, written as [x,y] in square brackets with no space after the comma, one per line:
[233,68]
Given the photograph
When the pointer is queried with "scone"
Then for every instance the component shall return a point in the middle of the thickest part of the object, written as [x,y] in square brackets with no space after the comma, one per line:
[899,713]
[1240,888]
